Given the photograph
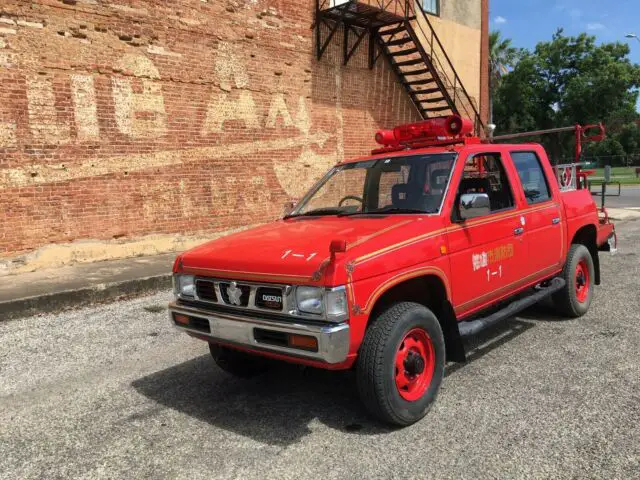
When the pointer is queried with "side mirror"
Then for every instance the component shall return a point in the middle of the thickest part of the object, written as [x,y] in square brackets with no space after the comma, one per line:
[474,205]
[288,207]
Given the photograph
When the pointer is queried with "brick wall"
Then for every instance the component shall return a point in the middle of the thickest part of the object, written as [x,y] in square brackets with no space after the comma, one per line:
[123,119]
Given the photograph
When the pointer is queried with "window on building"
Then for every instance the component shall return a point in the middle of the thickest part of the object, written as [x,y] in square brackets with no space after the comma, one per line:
[485,174]
[531,176]
[431,6]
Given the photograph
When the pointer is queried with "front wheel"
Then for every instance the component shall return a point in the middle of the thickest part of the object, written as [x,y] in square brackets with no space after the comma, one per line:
[575,298]
[401,364]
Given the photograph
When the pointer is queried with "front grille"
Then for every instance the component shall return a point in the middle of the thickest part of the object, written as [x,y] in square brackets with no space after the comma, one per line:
[205,290]
[227,290]
[273,301]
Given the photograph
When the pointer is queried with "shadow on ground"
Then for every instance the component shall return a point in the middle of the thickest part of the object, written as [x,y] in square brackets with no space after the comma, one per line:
[278,407]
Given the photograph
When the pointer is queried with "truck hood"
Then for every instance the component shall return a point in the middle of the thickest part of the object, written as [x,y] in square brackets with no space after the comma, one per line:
[292,250]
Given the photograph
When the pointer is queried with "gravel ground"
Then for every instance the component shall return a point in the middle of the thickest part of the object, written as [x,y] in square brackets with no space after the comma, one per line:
[114,392]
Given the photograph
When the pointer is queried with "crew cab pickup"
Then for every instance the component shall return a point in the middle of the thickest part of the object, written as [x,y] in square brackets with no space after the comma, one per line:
[391,259]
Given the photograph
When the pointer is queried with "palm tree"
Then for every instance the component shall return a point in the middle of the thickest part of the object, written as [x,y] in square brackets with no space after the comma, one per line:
[501,56]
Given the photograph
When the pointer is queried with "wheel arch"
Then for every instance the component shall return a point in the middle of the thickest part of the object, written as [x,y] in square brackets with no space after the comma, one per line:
[431,290]
[587,235]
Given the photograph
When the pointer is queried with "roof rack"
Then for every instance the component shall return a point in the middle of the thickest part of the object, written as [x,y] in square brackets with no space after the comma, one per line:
[581,133]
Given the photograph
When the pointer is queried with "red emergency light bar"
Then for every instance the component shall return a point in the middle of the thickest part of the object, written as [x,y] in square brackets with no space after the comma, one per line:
[440,128]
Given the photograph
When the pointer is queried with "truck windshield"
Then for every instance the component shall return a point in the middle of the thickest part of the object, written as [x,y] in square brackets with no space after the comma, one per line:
[408,184]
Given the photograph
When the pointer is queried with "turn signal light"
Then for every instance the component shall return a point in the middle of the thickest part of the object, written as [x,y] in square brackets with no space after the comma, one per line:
[182,319]
[303,342]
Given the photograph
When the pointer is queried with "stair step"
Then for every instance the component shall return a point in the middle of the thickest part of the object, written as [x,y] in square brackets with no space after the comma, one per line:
[420,82]
[399,41]
[438,109]
[393,31]
[409,62]
[401,53]
[425,91]
[432,100]
[416,72]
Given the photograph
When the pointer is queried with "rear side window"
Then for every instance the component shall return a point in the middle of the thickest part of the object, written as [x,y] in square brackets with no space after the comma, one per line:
[532,177]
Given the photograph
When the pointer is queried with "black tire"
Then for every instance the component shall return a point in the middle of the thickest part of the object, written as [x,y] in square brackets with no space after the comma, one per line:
[238,363]
[376,369]
[567,300]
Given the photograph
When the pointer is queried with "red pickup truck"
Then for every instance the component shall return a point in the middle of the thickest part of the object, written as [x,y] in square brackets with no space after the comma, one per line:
[391,259]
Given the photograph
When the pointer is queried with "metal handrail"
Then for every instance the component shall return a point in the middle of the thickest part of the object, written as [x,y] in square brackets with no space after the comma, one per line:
[457,83]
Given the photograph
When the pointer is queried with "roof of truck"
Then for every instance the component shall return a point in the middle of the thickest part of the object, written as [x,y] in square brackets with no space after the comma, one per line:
[432,150]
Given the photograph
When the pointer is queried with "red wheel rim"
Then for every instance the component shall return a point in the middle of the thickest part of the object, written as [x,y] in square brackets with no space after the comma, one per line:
[415,364]
[582,281]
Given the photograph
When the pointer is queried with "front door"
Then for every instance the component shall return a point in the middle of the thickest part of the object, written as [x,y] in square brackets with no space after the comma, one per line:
[484,250]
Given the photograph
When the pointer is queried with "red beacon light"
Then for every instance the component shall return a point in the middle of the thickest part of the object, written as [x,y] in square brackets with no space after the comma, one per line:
[433,129]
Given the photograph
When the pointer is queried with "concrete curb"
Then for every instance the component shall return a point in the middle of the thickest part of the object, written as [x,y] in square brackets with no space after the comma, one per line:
[623,214]
[100,293]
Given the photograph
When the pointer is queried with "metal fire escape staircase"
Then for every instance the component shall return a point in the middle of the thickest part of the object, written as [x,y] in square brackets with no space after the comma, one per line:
[401,30]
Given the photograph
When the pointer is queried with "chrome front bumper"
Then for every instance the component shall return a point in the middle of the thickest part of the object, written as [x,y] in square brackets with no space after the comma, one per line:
[333,339]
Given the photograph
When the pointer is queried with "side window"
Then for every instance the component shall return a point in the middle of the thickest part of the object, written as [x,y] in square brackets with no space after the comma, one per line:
[485,174]
[532,177]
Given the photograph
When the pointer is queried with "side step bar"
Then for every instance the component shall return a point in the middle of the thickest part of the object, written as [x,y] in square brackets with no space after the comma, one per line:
[474,326]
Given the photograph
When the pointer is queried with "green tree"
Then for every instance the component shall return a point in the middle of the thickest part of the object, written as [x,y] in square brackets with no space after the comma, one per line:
[608,152]
[629,138]
[566,81]
[502,56]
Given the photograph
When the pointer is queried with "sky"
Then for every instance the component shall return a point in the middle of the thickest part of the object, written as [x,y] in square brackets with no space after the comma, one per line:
[527,22]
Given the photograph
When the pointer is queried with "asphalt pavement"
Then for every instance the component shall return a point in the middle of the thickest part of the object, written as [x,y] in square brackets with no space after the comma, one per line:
[113,391]
[625,197]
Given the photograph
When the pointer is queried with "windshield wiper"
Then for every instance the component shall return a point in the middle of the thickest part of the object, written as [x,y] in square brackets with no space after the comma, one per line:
[317,212]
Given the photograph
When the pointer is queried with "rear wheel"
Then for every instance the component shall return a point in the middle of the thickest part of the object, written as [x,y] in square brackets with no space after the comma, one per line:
[401,364]
[238,363]
[575,298]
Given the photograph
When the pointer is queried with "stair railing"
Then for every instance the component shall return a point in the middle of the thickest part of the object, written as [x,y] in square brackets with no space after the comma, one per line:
[445,69]
[432,46]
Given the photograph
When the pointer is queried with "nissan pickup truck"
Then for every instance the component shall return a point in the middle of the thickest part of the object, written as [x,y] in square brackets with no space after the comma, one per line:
[390,260]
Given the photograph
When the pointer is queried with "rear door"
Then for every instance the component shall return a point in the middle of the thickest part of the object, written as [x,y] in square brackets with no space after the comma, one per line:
[543,216]
[486,251]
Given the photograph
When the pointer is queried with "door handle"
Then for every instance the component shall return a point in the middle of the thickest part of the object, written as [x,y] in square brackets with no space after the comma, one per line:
[555,221]
[518,231]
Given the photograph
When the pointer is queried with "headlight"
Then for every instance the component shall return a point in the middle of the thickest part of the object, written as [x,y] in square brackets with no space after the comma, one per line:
[185,285]
[332,303]
[337,305]
[309,299]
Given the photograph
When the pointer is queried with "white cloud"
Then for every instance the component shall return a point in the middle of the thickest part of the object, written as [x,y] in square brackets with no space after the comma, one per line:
[595,26]
[500,20]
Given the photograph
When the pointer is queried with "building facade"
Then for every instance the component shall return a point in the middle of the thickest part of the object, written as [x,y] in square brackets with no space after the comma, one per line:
[135,127]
